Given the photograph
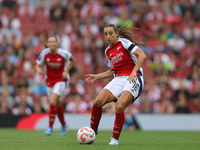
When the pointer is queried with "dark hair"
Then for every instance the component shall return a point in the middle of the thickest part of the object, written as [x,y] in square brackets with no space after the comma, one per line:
[126,32]
[54,37]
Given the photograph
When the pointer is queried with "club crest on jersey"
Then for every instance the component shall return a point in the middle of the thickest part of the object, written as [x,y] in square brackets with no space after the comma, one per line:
[59,59]
[118,48]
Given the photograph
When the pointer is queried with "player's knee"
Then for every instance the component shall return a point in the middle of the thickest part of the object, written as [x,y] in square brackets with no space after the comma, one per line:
[98,102]
[52,102]
[119,108]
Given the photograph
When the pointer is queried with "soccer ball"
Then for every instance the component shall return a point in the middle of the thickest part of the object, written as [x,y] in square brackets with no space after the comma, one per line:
[85,135]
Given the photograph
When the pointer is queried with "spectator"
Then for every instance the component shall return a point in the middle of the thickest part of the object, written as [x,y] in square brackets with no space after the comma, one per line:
[7,69]
[109,109]
[6,101]
[8,31]
[9,4]
[195,104]
[40,45]
[37,106]
[89,28]
[125,19]
[15,22]
[57,12]
[64,40]
[77,105]
[27,8]
[176,43]
[146,107]
[7,96]
[25,98]
[166,106]
[182,105]
[91,7]
[129,123]
[110,17]
[22,109]
[40,88]
[22,84]
[3,106]
[191,33]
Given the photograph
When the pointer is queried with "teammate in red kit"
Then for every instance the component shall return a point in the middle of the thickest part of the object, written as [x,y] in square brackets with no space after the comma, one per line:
[56,61]
[126,60]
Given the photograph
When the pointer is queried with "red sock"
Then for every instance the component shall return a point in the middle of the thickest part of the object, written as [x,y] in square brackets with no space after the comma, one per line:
[119,122]
[52,114]
[60,112]
[95,117]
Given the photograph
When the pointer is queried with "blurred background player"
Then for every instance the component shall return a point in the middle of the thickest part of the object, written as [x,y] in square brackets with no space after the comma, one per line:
[57,72]
[127,84]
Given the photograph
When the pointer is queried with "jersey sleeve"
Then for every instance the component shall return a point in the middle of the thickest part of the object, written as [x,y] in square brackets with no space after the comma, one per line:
[67,55]
[127,44]
[109,63]
[40,60]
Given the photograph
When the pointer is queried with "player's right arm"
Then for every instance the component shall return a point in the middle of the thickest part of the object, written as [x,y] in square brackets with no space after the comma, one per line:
[93,77]
[39,69]
[40,62]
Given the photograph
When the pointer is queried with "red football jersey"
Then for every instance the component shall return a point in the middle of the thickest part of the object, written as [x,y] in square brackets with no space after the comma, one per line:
[121,58]
[55,65]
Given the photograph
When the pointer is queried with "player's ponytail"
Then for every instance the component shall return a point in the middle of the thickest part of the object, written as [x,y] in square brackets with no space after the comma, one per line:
[126,32]
[129,33]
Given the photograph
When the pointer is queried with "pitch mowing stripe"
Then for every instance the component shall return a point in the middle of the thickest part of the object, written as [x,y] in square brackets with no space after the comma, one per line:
[98,140]
[39,140]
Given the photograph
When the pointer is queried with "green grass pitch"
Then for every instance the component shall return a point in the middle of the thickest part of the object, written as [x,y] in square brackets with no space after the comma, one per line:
[12,139]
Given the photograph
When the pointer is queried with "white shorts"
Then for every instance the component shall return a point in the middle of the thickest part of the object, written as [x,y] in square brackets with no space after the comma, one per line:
[120,84]
[58,88]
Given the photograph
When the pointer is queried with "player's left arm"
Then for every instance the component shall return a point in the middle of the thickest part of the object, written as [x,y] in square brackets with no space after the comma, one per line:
[70,66]
[141,58]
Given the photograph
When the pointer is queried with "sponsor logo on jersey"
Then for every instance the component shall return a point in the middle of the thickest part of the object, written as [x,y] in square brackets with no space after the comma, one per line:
[54,65]
[116,58]
[48,59]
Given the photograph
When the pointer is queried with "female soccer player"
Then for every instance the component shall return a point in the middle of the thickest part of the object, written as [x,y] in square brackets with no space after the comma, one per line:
[57,73]
[126,60]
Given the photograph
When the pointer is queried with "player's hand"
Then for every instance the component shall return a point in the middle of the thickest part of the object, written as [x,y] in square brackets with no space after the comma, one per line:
[40,71]
[90,78]
[132,77]
[64,75]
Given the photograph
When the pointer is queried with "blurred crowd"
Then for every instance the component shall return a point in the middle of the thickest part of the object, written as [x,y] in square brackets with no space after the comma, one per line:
[170,30]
